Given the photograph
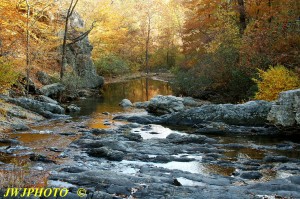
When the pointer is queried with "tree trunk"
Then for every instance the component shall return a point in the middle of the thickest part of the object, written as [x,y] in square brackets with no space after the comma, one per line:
[242,12]
[27,48]
[64,46]
[64,49]
[147,44]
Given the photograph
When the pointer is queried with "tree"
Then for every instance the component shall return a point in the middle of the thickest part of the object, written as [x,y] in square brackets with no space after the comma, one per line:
[27,46]
[64,46]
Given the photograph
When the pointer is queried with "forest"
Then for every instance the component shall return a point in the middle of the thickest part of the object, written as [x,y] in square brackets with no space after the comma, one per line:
[234,50]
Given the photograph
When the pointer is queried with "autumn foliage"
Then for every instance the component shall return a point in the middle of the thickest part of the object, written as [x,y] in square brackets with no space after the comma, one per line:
[212,46]
[7,76]
[227,41]
[275,80]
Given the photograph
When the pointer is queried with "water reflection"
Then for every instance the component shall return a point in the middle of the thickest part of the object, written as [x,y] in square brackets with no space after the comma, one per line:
[137,90]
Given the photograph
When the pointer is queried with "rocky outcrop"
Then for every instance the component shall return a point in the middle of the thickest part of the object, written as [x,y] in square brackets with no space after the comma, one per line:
[286,110]
[79,55]
[253,113]
[161,105]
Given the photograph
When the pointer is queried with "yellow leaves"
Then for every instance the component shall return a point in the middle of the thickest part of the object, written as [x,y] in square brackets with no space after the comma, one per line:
[7,76]
[275,80]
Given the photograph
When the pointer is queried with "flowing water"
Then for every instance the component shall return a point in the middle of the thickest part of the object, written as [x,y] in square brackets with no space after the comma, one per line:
[97,112]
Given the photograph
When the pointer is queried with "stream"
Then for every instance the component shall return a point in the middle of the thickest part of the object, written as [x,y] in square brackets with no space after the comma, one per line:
[230,156]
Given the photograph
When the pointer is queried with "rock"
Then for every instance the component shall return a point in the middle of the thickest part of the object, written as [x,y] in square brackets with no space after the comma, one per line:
[286,111]
[43,77]
[31,86]
[73,109]
[20,127]
[105,113]
[191,102]
[125,103]
[46,99]
[102,131]
[161,105]
[295,179]
[45,109]
[52,90]
[54,149]
[253,113]
[40,158]
[102,195]
[119,190]
[222,128]
[186,139]
[11,142]
[85,93]
[78,55]
[272,159]
[253,175]
[67,133]
[105,152]
[141,105]
[73,169]
[133,137]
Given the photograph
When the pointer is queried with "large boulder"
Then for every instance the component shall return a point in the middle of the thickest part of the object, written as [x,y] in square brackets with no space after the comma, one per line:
[47,110]
[161,105]
[78,55]
[286,111]
[253,113]
[52,90]
[125,103]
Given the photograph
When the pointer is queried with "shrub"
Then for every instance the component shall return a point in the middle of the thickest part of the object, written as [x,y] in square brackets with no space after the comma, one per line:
[22,175]
[189,83]
[275,80]
[72,83]
[7,76]
[111,65]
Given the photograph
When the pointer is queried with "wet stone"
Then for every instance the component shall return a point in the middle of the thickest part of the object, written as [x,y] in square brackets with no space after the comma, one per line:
[251,175]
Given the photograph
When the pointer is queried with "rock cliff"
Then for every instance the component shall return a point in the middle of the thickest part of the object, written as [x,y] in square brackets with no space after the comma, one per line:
[79,55]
